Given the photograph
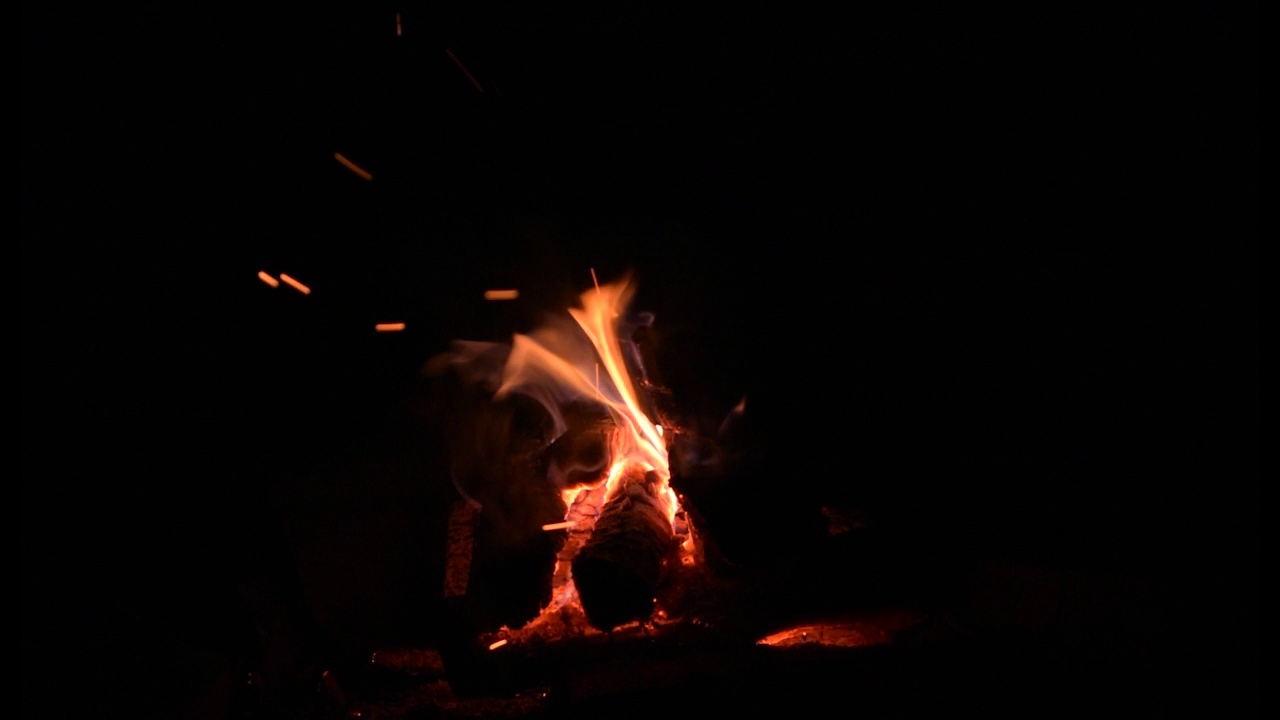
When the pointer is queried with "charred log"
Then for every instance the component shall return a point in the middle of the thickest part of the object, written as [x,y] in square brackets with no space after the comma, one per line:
[499,561]
[583,454]
[460,545]
[618,571]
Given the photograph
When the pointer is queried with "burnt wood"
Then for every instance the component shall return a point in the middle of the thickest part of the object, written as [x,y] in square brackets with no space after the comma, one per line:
[619,569]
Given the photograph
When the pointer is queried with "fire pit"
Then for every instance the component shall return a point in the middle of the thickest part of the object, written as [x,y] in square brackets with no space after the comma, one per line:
[574,565]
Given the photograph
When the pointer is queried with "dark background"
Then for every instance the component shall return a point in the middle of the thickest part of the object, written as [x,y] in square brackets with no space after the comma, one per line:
[988,276]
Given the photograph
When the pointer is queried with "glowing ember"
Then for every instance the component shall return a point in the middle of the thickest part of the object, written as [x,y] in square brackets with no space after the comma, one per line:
[364,174]
[266,278]
[501,294]
[497,644]
[874,629]
[389,327]
[291,282]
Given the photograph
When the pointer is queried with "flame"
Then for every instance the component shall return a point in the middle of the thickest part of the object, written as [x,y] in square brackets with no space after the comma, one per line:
[585,358]
[556,367]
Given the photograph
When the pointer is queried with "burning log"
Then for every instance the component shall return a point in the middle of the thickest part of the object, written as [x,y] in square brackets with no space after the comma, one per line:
[553,429]
[619,569]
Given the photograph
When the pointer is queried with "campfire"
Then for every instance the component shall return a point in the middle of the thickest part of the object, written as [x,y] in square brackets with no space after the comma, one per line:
[572,415]
[570,539]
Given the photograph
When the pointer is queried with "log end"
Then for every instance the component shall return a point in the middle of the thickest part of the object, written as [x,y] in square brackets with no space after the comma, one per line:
[611,594]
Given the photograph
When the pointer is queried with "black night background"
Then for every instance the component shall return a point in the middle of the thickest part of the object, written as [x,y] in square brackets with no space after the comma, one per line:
[987,277]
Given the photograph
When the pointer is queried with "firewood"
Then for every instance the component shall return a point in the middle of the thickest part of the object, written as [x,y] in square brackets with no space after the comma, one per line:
[460,544]
[618,570]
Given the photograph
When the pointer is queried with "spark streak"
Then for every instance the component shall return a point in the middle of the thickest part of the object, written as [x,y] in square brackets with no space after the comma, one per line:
[364,174]
[288,280]
[266,278]
[501,294]
[389,327]
[464,70]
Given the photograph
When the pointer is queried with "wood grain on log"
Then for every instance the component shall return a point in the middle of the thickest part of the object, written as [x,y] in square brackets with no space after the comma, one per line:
[618,570]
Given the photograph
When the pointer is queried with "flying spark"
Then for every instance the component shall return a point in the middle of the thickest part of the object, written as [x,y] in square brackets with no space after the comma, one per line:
[288,280]
[464,70]
[364,174]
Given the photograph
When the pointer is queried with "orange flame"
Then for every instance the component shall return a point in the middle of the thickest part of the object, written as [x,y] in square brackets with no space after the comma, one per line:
[554,366]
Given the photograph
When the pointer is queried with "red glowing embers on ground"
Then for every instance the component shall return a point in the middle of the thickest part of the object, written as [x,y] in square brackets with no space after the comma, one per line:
[871,629]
